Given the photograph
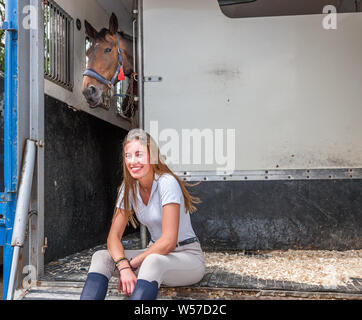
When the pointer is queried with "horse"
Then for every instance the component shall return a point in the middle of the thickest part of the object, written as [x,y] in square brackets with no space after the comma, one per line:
[110,59]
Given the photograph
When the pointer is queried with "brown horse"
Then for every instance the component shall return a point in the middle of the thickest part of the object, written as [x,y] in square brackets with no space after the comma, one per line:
[110,50]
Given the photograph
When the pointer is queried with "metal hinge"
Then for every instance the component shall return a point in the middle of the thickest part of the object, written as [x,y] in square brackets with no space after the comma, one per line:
[40,143]
[5,197]
[43,248]
[7,27]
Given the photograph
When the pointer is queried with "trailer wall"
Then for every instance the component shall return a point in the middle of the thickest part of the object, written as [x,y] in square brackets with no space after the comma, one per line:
[290,90]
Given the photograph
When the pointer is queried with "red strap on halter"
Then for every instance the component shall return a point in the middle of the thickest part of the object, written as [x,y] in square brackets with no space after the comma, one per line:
[121,76]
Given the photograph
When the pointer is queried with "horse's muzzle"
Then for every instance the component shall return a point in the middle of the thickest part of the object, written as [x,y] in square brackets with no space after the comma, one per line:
[92,96]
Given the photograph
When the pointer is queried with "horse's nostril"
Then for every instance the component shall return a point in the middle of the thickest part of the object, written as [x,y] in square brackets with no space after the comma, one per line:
[92,90]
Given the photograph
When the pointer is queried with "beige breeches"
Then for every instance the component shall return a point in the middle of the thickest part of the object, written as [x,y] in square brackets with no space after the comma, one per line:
[181,267]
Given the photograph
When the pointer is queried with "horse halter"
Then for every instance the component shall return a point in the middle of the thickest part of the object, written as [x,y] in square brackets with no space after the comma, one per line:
[117,75]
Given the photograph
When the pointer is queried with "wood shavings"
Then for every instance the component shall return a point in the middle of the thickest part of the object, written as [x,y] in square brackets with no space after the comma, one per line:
[317,267]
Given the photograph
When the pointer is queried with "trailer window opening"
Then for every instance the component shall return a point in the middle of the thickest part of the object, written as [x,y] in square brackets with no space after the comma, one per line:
[88,44]
[266,8]
[118,88]
[58,45]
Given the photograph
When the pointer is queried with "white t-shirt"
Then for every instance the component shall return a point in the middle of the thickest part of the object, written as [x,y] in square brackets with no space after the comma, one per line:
[165,189]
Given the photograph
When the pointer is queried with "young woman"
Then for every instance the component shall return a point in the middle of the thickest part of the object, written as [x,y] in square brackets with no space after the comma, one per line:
[161,202]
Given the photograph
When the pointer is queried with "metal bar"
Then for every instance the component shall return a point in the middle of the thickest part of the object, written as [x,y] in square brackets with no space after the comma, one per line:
[10,135]
[66,51]
[282,174]
[63,48]
[69,81]
[60,19]
[21,214]
[52,28]
[45,40]
[143,231]
[14,262]
[55,43]
[71,53]
[9,91]
[60,72]
[50,41]
[56,74]
[134,43]
[66,37]
[140,65]
[48,38]
[36,109]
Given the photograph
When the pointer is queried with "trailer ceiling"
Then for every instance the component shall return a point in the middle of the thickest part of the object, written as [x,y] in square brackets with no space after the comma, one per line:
[119,7]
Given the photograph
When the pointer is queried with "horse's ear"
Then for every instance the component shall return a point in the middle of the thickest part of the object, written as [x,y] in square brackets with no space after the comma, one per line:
[113,24]
[89,30]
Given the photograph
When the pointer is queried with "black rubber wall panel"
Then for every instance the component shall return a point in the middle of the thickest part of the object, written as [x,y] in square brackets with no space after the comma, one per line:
[82,173]
[271,215]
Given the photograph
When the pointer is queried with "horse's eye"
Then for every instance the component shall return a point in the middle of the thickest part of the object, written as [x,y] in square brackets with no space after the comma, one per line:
[107,50]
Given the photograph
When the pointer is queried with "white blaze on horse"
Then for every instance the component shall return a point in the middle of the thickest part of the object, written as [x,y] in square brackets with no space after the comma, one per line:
[110,59]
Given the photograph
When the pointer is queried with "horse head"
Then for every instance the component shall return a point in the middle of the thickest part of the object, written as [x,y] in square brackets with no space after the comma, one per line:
[109,57]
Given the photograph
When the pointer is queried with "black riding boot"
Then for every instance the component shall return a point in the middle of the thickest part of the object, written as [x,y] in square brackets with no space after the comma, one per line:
[145,290]
[95,287]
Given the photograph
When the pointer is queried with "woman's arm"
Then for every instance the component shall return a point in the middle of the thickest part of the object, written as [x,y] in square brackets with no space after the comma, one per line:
[168,240]
[114,243]
[128,279]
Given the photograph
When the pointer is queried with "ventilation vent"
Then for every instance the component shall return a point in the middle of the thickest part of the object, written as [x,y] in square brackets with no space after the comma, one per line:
[58,45]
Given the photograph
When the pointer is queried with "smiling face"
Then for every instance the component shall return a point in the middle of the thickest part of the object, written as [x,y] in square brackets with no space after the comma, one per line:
[137,160]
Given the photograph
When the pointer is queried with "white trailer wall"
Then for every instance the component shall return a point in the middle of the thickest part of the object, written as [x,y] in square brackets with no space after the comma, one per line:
[290,88]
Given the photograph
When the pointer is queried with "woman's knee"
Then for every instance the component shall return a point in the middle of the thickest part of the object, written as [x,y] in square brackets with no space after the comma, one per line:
[102,262]
[152,267]
[154,260]
[100,256]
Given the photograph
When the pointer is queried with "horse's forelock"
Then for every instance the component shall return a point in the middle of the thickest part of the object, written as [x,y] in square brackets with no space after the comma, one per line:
[102,34]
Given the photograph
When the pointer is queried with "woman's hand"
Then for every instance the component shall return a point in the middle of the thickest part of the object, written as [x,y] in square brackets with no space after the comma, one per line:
[127,281]
[134,264]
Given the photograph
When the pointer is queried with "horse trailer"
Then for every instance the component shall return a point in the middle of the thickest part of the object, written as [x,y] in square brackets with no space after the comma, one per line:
[260,103]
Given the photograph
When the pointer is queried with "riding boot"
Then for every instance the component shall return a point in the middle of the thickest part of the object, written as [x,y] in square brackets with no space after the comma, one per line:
[145,290]
[95,287]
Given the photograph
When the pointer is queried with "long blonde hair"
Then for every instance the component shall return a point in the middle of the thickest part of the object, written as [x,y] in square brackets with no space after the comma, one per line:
[159,166]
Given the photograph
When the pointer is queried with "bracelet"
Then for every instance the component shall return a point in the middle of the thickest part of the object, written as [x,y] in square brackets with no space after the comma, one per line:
[118,261]
[124,268]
